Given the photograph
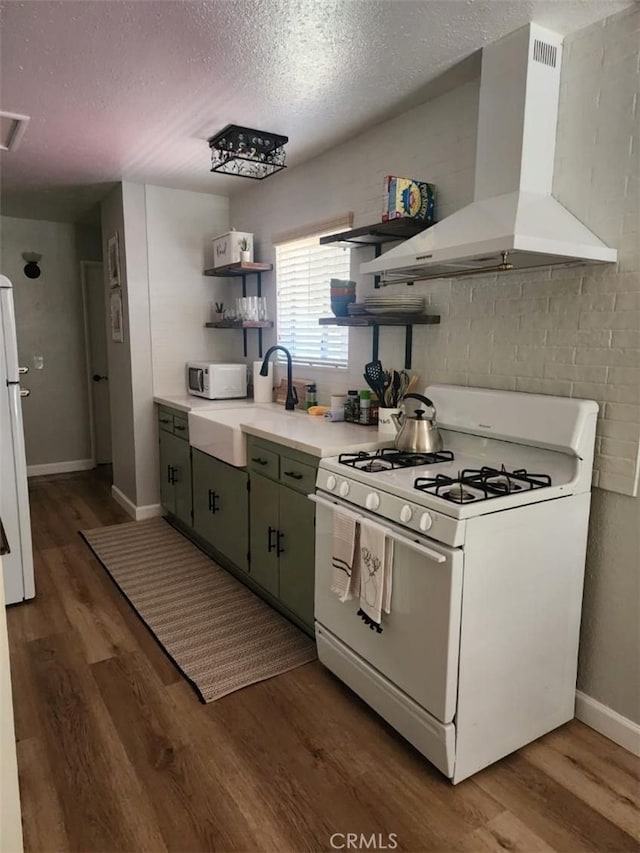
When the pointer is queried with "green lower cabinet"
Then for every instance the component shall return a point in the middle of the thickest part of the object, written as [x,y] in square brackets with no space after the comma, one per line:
[297,556]
[175,476]
[167,490]
[283,545]
[264,513]
[220,507]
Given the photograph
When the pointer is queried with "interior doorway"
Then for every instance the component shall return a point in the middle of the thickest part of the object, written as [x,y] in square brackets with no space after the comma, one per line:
[95,323]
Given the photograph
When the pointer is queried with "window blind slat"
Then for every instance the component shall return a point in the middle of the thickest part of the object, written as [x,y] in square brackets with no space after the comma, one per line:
[303,273]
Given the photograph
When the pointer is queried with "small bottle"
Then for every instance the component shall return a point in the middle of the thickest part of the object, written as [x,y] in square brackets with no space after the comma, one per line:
[375,405]
[312,396]
[365,407]
[352,407]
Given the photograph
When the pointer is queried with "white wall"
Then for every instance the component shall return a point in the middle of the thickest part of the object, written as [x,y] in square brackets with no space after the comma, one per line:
[165,244]
[572,332]
[119,357]
[180,227]
[50,323]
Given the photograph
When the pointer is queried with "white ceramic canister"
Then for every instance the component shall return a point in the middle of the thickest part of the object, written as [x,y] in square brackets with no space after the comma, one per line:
[385,425]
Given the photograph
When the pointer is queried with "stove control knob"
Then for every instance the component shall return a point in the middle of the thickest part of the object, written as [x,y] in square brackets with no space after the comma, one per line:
[372,501]
[406,514]
[331,482]
[344,489]
[425,521]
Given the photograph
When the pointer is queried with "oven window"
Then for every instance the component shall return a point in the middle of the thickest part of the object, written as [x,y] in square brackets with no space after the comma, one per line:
[196,379]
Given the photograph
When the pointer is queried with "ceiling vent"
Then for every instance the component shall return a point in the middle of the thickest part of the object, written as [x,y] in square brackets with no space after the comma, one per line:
[12,128]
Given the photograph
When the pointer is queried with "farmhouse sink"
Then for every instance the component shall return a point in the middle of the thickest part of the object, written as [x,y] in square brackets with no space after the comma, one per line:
[219,433]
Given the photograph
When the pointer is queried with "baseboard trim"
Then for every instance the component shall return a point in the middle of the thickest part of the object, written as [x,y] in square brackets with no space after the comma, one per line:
[60,467]
[609,723]
[138,513]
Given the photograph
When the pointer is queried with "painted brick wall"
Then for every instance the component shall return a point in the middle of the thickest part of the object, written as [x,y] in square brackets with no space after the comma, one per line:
[566,331]
[569,332]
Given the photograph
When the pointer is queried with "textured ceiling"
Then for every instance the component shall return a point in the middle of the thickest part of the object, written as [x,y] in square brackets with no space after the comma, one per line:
[120,90]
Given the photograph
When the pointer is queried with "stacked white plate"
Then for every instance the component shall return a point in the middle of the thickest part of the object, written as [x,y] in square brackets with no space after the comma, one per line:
[395,304]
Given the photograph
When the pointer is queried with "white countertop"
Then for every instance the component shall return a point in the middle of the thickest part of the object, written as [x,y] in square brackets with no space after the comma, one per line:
[314,435]
[189,403]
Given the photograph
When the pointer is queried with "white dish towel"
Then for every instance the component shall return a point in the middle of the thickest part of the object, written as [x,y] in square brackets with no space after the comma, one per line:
[376,573]
[344,577]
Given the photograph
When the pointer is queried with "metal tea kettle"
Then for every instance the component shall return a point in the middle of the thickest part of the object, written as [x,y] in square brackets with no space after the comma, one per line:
[417,433]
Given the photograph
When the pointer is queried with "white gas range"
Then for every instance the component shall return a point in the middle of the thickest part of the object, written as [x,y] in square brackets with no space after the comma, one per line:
[479,653]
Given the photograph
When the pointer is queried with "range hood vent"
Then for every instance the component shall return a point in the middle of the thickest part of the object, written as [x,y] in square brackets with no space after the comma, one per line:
[514,222]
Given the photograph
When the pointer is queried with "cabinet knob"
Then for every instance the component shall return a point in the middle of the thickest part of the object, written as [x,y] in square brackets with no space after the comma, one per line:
[270,544]
[293,474]
[258,460]
[279,548]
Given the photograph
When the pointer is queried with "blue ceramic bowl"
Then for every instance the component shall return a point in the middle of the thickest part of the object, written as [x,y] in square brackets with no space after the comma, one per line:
[340,304]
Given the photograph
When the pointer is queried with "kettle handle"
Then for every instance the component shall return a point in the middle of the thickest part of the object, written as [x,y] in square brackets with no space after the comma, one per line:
[422,399]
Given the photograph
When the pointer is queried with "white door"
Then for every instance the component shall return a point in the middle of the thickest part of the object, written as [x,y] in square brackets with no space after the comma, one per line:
[97,360]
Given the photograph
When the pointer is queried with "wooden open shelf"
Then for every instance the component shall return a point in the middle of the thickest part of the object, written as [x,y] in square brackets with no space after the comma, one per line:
[241,324]
[375,321]
[239,269]
[243,271]
[373,235]
[382,320]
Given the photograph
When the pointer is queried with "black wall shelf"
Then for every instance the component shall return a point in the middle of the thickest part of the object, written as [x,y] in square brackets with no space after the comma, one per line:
[393,231]
[242,270]
[363,321]
[373,235]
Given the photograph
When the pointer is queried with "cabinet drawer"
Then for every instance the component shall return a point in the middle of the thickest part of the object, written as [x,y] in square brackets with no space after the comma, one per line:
[165,420]
[264,462]
[297,475]
[181,427]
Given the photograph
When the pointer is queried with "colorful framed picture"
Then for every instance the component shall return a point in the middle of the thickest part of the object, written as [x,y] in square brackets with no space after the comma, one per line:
[117,328]
[113,261]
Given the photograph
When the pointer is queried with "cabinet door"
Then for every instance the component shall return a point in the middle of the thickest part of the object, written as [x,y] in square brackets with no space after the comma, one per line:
[181,453]
[297,553]
[203,519]
[232,513]
[167,491]
[220,507]
[263,502]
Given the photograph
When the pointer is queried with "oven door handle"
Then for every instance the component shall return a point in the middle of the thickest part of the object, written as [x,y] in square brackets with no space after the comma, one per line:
[415,546]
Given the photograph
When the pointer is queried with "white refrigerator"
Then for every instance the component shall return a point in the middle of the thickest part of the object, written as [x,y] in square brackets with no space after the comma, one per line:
[17,565]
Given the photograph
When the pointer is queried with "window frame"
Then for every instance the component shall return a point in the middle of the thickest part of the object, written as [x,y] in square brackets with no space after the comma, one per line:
[327,332]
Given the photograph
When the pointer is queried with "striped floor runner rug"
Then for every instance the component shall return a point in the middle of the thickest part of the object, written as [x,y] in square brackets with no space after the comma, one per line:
[219,633]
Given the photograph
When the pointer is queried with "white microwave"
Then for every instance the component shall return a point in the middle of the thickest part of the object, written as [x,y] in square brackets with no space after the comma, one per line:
[216,381]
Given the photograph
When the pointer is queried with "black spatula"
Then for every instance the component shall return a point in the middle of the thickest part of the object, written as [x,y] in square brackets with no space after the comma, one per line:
[374,375]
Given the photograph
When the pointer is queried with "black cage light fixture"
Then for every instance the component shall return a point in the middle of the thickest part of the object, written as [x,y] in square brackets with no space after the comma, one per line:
[247,153]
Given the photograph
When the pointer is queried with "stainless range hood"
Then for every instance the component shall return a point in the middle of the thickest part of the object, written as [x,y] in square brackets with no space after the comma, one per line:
[514,222]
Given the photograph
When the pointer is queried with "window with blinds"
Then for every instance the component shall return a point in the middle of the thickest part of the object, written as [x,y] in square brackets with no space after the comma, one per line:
[304,269]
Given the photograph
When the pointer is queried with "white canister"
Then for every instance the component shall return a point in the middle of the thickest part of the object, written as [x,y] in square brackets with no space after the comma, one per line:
[385,424]
[262,385]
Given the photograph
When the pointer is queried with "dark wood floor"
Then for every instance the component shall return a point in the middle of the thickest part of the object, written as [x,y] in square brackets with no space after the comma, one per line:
[115,751]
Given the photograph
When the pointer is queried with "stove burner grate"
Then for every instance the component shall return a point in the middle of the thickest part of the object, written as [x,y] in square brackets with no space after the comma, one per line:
[388,458]
[481,484]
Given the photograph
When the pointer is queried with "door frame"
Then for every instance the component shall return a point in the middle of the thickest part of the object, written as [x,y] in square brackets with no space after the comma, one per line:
[84,267]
